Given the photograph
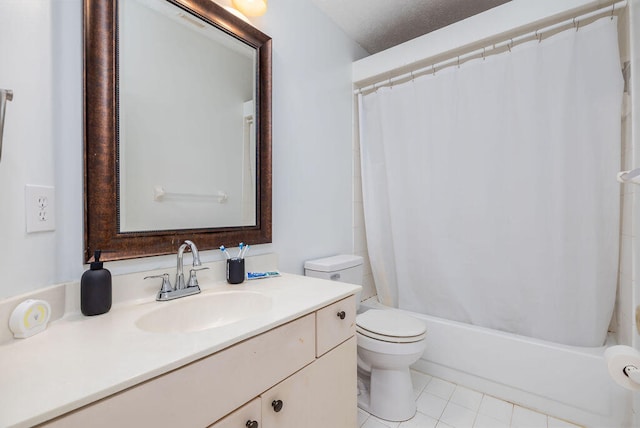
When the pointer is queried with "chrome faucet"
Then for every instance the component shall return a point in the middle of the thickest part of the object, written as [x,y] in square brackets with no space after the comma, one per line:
[167,291]
[180,285]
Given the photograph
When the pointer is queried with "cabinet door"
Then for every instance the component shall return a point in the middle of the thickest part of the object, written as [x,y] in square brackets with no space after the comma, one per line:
[321,395]
[247,416]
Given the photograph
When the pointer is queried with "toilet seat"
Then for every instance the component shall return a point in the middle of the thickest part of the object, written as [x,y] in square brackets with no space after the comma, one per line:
[390,326]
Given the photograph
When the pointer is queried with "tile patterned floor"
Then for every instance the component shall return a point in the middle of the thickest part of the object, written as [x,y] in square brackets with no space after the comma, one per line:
[443,404]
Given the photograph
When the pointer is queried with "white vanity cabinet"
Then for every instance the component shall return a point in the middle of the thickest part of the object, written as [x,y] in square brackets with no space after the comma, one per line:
[305,369]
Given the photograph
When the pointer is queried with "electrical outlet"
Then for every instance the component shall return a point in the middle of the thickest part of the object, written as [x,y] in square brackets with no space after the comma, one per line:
[40,208]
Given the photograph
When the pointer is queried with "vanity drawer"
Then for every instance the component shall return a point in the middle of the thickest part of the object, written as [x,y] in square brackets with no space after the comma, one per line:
[335,324]
[204,391]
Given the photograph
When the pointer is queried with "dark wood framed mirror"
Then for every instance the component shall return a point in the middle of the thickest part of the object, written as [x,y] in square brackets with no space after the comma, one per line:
[102,137]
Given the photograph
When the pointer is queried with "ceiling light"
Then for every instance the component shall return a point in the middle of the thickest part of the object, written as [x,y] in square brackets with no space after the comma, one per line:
[250,7]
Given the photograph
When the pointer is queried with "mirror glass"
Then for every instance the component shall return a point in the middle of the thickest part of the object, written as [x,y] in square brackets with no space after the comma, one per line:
[177,114]
[186,141]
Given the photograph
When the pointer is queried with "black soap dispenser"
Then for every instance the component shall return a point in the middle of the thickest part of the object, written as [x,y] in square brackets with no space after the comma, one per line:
[95,289]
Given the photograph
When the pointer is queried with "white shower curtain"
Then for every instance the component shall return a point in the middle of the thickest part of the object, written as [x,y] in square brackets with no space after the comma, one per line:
[489,190]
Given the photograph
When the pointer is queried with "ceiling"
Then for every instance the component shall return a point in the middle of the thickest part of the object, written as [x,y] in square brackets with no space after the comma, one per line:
[380,24]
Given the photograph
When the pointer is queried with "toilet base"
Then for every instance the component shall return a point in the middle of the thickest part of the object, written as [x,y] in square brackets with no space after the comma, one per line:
[387,394]
[363,392]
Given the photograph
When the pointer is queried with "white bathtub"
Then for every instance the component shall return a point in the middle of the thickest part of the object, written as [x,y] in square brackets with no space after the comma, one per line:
[567,382]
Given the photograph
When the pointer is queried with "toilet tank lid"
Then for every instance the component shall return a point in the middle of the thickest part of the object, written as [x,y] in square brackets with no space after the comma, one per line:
[333,263]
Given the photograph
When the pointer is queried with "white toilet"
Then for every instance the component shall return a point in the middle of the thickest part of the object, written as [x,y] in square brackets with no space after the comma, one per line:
[388,343]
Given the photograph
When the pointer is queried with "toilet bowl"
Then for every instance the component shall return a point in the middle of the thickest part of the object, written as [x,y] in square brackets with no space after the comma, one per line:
[388,342]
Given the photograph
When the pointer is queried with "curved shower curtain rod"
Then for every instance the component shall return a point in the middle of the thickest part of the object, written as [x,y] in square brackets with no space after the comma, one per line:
[495,48]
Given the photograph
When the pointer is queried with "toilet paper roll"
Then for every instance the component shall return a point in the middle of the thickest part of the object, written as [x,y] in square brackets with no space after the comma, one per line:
[618,357]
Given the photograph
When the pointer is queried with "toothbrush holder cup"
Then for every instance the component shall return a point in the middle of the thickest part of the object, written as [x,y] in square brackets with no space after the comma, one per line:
[235,270]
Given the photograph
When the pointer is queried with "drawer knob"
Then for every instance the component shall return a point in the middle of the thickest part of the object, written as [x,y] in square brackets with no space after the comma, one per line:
[277,405]
[252,424]
[341,315]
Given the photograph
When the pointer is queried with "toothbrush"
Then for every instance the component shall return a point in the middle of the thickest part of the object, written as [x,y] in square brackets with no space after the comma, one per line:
[244,251]
[240,250]
[224,250]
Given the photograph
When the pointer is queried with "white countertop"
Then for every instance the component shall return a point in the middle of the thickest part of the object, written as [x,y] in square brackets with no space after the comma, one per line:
[78,359]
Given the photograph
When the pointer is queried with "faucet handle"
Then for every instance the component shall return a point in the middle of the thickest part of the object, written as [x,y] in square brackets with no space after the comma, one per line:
[193,279]
[166,284]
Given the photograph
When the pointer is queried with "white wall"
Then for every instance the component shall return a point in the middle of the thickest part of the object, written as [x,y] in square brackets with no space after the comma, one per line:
[28,67]
[634,253]
[41,51]
[312,120]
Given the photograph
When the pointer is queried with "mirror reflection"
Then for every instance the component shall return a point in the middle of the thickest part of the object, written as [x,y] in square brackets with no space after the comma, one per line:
[186,136]
[177,128]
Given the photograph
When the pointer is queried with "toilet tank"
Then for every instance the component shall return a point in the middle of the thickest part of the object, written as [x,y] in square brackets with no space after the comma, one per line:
[343,268]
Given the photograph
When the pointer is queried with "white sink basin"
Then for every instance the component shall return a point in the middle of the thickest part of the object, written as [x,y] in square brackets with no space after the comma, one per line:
[204,311]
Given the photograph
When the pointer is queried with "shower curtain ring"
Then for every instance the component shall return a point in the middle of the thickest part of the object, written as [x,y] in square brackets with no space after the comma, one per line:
[509,45]
[613,9]
[576,23]
[458,62]
[433,69]
[483,51]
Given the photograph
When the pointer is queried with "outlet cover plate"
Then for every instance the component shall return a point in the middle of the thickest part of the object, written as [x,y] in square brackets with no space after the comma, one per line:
[40,208]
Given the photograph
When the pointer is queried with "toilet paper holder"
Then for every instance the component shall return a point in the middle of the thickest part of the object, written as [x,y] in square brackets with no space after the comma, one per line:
[632,373]
[630,176]
[623,363]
